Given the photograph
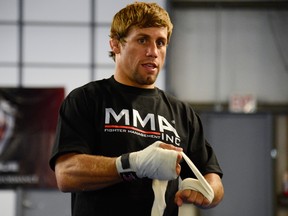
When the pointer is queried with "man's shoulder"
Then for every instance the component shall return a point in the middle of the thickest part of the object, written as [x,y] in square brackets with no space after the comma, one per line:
[91,88]
[173,99]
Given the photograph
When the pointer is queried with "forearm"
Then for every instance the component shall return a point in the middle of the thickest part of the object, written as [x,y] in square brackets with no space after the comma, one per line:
[81,172]
[215,182]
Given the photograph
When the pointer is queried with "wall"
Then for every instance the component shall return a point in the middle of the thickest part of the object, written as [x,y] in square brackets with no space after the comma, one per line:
[8,202]
[53,43]
[57,42]
[281,162]
[212,53]
[217,52]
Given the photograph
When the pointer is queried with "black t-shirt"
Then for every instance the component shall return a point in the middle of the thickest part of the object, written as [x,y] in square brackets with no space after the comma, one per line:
[107,118]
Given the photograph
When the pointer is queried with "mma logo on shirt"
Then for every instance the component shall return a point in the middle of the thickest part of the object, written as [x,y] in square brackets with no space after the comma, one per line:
[149,126]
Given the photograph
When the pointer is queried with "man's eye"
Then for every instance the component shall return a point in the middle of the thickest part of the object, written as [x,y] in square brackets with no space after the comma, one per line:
[161,43]
[142,40]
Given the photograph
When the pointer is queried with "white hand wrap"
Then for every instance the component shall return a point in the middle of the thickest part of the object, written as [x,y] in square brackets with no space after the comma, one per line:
[153,162]
[200,184]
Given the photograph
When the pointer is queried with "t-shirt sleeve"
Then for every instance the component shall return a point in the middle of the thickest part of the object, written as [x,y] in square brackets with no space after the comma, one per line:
[200,152]
[74,131]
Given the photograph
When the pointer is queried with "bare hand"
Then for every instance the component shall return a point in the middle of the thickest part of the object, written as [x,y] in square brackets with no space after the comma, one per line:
[193,197]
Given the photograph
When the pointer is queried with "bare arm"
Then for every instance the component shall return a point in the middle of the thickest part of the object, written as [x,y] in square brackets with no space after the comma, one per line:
[216,183]
[197,198]
[82,172]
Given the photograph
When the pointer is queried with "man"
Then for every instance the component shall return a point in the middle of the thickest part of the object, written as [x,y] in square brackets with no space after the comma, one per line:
[118,137]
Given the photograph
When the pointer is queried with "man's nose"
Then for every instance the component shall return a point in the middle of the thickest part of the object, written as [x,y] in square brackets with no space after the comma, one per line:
[152,50]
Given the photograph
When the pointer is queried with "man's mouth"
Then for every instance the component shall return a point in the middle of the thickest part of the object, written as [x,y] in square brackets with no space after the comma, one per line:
[149,65]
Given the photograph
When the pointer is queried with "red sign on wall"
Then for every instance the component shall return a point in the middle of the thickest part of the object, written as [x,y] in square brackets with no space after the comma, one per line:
[242,103]
[28,119]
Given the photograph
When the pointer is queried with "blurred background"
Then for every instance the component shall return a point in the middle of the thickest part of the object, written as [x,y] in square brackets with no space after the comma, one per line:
[227,58]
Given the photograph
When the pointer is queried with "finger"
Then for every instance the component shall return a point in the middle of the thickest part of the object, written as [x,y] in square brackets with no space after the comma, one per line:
[206,203]
[198,199]
[178,169]
[179,158]
[178,166]
[178,200]
[191,196]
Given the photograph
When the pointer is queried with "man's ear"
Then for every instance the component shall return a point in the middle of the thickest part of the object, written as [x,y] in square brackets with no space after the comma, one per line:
[115,45]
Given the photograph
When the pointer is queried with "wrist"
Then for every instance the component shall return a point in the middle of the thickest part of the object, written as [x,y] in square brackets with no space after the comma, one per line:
[124,168]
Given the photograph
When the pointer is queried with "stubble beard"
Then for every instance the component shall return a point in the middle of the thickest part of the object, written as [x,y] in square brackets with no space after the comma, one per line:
[144,80]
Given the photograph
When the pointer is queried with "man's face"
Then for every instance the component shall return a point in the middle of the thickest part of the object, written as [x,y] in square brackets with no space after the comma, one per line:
[141,57]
